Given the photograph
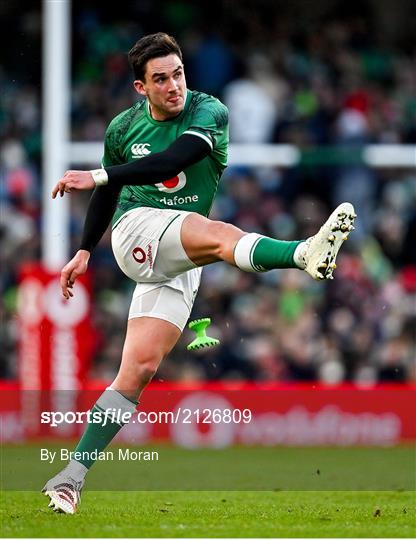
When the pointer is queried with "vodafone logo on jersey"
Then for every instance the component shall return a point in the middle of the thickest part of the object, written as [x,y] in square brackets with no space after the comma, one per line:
[173,184]
[139,150]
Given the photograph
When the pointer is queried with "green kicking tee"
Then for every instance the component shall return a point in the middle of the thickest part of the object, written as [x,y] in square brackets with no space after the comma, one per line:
[134,134]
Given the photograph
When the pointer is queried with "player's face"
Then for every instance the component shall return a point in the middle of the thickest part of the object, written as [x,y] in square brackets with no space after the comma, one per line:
[164,86]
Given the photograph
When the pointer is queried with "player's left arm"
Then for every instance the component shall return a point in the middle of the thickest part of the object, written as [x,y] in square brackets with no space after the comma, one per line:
[188,149]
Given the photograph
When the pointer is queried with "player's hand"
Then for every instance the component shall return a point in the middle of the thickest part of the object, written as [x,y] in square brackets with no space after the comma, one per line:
[77,265]
[73,180]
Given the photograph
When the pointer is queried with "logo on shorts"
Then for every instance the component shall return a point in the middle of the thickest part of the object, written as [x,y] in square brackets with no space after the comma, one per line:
[173,184]
[139,255]
[140,150]
[150,255]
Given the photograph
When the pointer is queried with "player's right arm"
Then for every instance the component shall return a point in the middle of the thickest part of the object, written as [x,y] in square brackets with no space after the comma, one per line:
[158,167]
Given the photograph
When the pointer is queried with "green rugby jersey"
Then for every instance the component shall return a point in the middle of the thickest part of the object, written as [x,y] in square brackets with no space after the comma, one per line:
[134,134]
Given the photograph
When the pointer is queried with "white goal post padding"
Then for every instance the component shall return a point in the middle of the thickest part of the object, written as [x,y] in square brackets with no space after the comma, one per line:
[274,155]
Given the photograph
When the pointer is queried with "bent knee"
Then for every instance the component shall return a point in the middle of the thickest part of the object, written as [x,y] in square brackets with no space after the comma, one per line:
[147,370]
[146,367]
[143,365]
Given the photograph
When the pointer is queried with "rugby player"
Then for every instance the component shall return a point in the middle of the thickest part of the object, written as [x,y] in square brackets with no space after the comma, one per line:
[163,159]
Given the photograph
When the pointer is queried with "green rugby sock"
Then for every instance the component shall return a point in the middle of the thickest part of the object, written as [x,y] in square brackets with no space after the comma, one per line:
[104,425]
[256,253]
[269,254]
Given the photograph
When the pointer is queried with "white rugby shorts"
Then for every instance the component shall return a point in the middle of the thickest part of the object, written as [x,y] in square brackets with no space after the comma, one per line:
[147,247]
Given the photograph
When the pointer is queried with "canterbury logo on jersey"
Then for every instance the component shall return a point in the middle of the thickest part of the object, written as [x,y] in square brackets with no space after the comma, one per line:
[176,183]
[140,150]
[173,184]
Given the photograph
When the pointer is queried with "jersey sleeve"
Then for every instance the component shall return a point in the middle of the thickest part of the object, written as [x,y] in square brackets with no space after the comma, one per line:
[209,121]
[113,144]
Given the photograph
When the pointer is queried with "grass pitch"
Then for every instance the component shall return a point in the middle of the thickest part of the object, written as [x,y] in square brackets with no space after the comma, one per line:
[224,469]
[214,514]
[230,492]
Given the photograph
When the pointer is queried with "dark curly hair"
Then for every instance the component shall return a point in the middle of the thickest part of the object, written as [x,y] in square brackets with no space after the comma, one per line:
[148,47]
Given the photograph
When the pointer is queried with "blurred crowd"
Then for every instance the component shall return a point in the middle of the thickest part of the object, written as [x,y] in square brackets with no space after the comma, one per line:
[327,82]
